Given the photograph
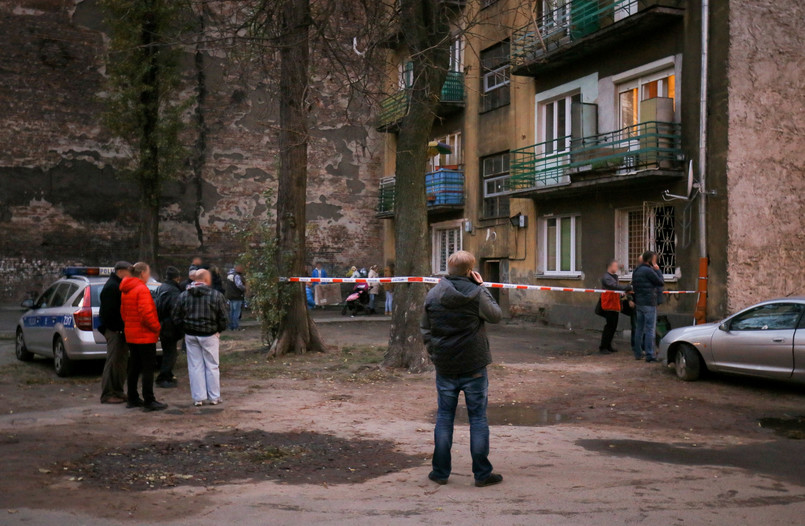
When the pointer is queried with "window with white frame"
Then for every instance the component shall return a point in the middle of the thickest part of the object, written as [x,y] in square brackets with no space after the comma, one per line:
[652,227]
[446,241]
[405,74]
[561,246]
[457,55]
[495,76]
[649,86]
[495,180]
[454,159]
[555,123]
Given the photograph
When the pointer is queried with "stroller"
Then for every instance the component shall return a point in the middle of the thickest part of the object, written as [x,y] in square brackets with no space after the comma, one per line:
[357,301]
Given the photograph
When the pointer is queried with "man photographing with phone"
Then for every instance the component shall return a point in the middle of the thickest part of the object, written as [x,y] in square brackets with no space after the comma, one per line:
[454,333]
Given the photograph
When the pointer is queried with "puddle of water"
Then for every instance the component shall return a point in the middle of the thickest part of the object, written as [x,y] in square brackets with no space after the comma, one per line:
[522,415]
[793,428]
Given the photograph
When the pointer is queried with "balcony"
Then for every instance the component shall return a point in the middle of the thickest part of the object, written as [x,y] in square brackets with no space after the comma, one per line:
[444,190]
[394,108]
[582,27]
[649,150]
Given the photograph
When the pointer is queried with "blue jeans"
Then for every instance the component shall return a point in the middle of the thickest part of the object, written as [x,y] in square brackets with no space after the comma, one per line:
[234,313]
[645,327]
[389,301]
[475,387]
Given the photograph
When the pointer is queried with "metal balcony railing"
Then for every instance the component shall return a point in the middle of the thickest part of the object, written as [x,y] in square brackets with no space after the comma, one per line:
[644,146]
[443,188]
[395,107]
[571,21]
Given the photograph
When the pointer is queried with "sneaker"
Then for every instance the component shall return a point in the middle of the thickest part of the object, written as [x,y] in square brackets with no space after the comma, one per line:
[612,349]
[437,480]
[491,480]
[137,402]
[113,400]
[154,406]
[651,359]
[198,404]
[603,351]
[167,384]
[216,402]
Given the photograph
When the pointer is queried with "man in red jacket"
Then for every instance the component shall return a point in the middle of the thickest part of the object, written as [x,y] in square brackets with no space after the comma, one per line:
[141,327]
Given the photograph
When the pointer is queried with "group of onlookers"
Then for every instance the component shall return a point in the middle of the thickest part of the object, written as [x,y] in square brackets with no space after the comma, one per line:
[638,301]
[193,310]
[373,289]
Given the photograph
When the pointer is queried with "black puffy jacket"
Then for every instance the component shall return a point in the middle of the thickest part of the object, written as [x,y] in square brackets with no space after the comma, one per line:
[647,284]
[453,325]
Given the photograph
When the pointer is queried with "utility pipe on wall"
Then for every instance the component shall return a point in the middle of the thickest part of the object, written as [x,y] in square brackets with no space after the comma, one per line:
[705,22]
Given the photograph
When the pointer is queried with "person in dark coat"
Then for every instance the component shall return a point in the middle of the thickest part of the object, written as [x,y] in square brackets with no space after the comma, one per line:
[609,281]
[117,352]
[647,282]
[170,335]
[453,331]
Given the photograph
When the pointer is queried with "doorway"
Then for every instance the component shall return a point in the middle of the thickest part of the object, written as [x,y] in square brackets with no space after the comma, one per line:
[491,273]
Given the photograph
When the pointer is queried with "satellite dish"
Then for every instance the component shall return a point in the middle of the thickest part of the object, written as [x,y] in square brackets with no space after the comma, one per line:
[668,196]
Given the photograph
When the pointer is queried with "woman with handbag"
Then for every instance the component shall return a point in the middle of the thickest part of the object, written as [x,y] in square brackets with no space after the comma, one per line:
[609,305]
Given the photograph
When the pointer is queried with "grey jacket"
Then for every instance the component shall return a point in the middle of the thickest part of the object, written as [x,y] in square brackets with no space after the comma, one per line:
[647,284]
[453,325]
[610,282]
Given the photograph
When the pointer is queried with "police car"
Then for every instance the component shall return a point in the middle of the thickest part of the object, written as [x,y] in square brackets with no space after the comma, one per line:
[63,322]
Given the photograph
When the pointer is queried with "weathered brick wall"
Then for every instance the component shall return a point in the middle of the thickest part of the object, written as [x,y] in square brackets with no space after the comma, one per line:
[766,160]
[62,201]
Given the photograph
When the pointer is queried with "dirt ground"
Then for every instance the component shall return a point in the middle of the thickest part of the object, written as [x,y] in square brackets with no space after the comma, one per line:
[333,439]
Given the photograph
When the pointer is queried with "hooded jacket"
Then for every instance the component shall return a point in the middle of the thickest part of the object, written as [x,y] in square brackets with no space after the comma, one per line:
[167,296]
[139,313]
[234,286]
[201,311]
[453,325]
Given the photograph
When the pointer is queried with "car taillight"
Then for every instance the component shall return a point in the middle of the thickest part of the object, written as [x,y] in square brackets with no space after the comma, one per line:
[83,316]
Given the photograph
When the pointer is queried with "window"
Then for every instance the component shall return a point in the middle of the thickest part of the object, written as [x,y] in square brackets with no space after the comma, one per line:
[44,300]
[652,227]
[561,250]
[453,160]
[630,94]
[446,241]
[495,180]
[457,55]
[405,74]
[774,316]
[495,77]
[62,294]
[556,123]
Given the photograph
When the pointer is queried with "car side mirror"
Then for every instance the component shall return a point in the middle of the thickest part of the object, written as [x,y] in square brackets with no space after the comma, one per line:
[27,304]
[724,327]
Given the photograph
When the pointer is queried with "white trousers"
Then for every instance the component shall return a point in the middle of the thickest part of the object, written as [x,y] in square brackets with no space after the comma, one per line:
[202,367]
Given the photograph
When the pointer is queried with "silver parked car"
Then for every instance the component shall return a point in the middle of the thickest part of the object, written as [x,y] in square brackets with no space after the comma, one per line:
[765,340]
[63,322]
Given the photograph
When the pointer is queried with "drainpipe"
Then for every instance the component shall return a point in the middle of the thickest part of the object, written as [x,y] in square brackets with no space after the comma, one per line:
[703,132]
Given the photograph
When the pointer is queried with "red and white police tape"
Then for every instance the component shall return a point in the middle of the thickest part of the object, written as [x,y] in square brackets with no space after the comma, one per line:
[421,279]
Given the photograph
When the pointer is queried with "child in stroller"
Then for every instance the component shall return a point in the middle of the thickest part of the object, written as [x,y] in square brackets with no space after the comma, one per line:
[357,301]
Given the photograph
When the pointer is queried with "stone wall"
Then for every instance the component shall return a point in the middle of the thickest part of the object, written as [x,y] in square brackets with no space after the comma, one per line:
[62,200]
[766,160]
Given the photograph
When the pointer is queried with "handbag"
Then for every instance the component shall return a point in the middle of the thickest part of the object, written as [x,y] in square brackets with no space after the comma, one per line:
[611,301]
[598,310]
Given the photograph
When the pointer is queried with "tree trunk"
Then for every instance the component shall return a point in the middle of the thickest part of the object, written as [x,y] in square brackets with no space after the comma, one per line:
[148,171]
[200,147]
[426,30]
[297,332]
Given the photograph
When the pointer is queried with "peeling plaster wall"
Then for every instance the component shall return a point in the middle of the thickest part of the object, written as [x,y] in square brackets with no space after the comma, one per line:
[766,159]
[63,202]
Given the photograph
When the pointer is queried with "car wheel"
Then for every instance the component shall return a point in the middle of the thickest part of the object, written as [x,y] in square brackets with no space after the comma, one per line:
[688,363]
[22,352]
[61,362]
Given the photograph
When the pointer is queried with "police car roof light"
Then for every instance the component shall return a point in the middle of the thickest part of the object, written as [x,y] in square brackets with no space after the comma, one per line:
[87,271]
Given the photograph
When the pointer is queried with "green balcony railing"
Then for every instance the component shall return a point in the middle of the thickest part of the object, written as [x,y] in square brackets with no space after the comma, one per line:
[571,21]
[395,107]
[443,188]
[645,146]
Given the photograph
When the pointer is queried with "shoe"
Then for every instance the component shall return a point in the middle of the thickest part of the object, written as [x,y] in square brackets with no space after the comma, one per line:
[154,406]
[113,400]
[437,480]
[198,404]
[491,480]
[612,349]
[137,402]
[216,402]
[603,351]
[651,359]
[167,384]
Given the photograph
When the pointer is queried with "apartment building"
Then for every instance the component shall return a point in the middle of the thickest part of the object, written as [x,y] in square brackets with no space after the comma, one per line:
[576,137]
